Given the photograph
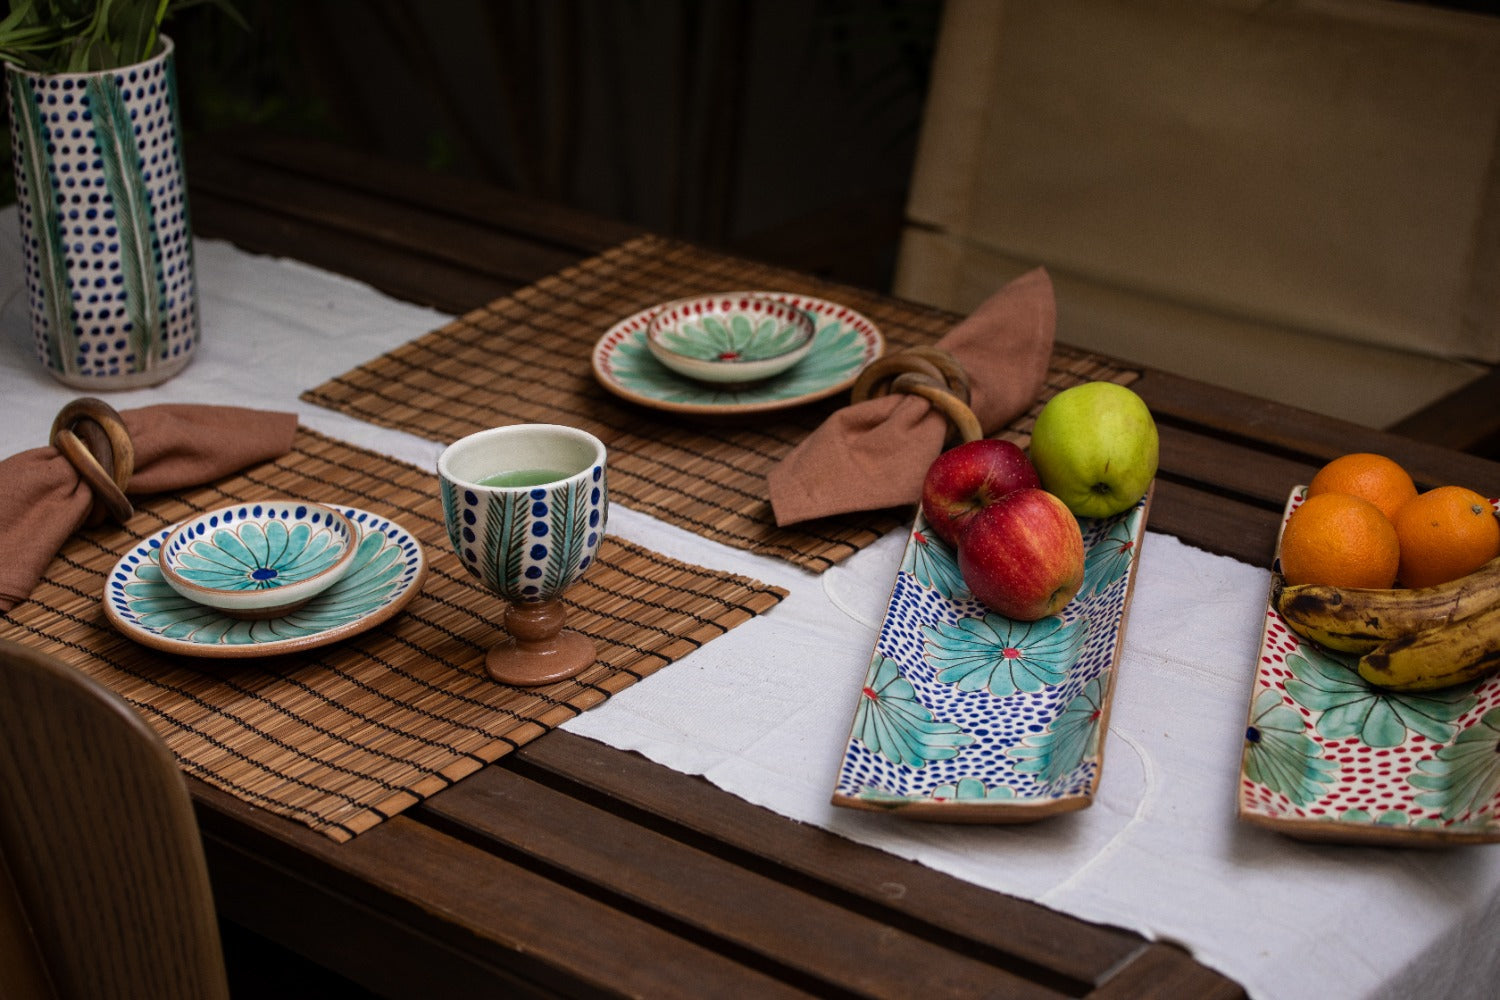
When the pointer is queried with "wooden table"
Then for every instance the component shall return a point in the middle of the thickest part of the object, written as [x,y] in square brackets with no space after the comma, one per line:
[573,868]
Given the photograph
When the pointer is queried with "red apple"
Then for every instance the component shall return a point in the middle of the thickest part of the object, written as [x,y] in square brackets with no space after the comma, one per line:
[1023,555]
[965,479]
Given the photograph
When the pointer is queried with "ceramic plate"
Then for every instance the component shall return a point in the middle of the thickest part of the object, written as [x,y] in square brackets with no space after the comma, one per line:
[387,573]
[968,716]
[1328,757]
[845,342]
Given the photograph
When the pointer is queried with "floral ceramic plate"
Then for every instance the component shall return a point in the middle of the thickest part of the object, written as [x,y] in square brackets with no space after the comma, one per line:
[968,716]
[386,574]
[844,343]
[1328,757]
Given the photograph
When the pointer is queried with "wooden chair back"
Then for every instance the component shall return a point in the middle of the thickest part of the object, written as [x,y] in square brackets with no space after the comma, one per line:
[104,891]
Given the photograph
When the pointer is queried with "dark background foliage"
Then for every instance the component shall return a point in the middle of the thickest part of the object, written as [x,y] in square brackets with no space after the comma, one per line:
[780,128]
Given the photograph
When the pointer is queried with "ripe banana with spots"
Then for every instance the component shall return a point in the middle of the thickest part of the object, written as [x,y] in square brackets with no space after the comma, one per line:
[1356,620]
[1464,650]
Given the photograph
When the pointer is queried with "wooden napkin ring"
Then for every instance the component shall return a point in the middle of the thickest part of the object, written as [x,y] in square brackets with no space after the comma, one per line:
[929,372]
[92,437]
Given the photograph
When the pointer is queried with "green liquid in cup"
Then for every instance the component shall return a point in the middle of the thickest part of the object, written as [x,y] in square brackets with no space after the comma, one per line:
[523,477]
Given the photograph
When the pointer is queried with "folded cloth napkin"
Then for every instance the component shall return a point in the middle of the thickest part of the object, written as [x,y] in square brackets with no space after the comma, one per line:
[43,500]
[874,454]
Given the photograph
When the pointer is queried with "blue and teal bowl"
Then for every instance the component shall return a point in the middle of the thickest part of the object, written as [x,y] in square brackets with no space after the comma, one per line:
[261,559]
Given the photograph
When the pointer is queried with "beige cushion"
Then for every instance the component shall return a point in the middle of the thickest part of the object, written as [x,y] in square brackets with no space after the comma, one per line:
[1297,199]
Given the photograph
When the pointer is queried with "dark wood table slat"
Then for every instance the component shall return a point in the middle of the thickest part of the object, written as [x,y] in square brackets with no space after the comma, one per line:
[872,879]
[448,239]
[1304,435]
[441,891]
[1467,419]
[730,907]
[538,222]
[395,272]
[1166,972]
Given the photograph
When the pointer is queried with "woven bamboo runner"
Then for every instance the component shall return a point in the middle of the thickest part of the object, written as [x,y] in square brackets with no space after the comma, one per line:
[526,357]
[344,736]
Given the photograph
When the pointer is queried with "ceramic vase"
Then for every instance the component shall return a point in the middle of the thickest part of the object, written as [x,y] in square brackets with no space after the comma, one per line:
[102,200]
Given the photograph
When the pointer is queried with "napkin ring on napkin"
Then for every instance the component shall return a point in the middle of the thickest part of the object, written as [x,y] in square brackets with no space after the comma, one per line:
[90,434]
[929,372]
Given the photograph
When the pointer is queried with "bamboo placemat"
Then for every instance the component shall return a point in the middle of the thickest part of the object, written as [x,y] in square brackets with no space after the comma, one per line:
[344,736]
[526,357]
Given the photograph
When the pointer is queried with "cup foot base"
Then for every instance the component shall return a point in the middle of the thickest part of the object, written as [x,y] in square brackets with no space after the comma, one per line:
[532,663]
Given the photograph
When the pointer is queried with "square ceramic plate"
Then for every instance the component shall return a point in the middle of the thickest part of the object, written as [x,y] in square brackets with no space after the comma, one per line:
[971,717]
[1329,757]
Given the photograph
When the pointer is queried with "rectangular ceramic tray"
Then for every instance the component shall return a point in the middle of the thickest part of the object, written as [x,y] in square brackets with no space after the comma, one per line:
[971,717]
[1328,757]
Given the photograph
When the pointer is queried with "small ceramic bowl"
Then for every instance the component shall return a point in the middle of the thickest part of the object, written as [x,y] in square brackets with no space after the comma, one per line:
[261,559]
[730,337]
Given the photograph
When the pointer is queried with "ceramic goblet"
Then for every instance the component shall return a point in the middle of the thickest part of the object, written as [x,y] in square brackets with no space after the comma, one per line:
[525,507]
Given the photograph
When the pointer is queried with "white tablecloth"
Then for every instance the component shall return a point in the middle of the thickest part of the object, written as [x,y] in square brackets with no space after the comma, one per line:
[764,711]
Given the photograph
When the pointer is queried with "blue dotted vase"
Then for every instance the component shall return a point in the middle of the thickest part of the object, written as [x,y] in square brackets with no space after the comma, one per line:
[102,200]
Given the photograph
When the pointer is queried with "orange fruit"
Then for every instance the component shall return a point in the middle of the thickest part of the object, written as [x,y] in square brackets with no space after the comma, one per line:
[1342,540]
[1445,533]
[1376,478]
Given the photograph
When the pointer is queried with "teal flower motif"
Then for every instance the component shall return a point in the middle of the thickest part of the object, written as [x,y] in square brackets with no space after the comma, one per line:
[712,339]
[1464,776]
[1349,706]
[971,790]
[1109,558]
[1280,755]
[1072,737]
[1390,817]
[259,556]
[891,722]
[932,563]
[1003,656]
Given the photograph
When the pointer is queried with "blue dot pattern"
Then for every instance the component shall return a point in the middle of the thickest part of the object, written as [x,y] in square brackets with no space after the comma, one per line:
[528,545]
[388,566]
[104,222]
[979,738]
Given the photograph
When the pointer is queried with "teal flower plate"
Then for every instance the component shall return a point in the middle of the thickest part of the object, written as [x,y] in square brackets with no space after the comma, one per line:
[1329,757]
[843,343]
[968,716]
[385,574]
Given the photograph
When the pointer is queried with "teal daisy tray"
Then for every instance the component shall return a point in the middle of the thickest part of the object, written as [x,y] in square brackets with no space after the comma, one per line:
[967,716]
[1328,757]
[844,342]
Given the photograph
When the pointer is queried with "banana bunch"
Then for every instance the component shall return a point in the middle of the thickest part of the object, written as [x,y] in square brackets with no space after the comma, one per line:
[1417,639]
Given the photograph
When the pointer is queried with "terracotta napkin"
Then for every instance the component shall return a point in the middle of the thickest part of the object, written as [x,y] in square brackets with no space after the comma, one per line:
[43,501]
[874,454]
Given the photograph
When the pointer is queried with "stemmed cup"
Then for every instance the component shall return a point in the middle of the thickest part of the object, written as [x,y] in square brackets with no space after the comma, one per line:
[525,507]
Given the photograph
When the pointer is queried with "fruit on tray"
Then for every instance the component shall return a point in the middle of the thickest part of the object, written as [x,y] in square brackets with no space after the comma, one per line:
[1460,651]
[1095,446]
[968,477]
[1341,540]
[1022,555]
[1357,620]
[1376,478]
[1428,620]
[1444,534]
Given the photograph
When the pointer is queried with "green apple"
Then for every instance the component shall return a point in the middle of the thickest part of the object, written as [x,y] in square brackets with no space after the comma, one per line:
[1095,448]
